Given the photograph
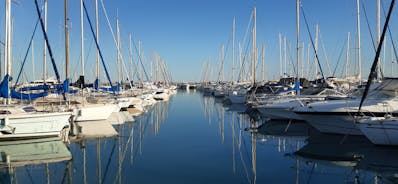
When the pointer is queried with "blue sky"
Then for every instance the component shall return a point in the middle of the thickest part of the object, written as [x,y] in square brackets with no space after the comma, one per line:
[186,33]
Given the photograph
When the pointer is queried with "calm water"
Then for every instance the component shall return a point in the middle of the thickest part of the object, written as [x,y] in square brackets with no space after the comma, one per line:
[197,139]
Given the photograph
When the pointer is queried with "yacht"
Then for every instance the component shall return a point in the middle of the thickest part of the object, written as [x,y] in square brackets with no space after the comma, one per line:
[282,108]
[339,116]
[25,122]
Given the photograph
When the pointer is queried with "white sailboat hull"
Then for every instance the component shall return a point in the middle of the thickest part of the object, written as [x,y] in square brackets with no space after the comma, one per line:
[31,125]
[93,112]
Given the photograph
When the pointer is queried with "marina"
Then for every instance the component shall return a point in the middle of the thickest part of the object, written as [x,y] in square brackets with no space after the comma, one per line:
[124,99]
[215,145]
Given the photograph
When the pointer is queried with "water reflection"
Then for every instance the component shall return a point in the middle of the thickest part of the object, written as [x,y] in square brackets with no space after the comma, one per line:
[22,159]
[197,139]
[362,161]
[235,116]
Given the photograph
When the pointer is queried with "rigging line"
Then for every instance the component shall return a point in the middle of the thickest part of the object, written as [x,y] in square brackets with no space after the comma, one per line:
[391,37]
[134,65]
[370,30]
[339,59]
[117,45]
[109,161]
[312,43]
[99,50]
[223,60]
[291,59]
[49,49]
[29,174]
[27,52]
[244,60]
[140,60]
[325,54]
[248,27]
[376,59]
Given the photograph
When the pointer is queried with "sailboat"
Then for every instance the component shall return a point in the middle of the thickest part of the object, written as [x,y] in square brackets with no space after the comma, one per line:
[20,121]
[339,116]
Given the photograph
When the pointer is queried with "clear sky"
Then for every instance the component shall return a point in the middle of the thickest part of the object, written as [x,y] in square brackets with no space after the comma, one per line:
[186,33]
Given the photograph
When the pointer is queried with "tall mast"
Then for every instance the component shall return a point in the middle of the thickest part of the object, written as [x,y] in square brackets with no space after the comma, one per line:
[359,76]
[316,51]
[97,35]
[262,63]
[254,56]
[7,53]
[284,54]
[233,50]
[131,56]
[222,63]
[308,61]
[240,62]
[280,55]
[33,59]
[66,40]
[82,36]
[378,31]
[118,51]
[45,45]
[298,42]
[347,55]
[302,60]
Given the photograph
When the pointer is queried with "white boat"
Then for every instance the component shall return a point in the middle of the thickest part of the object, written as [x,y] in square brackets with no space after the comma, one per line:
[237,96]
[380,130]
[94,112]
[282,108]
[339,116]
[17,122]
[161,94]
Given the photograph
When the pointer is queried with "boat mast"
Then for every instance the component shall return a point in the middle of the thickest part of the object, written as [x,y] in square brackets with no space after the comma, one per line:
[280,55]
[66,18]
[347,55]
[118,51]
[254,56]
[316,51]
[262,63]
[97,55]
[45,45]
[7,53]
[378,33]
[233,50]
[131,58]
[359,44]
[285,56]
[297,43]
[33,60]
[82,37]
[222,63]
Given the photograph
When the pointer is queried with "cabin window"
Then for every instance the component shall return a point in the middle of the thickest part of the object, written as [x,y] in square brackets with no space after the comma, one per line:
[29,109]
[5,112]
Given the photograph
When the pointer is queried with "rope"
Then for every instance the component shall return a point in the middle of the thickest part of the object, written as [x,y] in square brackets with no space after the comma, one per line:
[27,52]
[312,43]
[49,48]
[99,50]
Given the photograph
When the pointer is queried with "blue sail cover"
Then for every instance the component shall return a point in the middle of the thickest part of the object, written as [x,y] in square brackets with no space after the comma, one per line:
[64,88]
[96,84]
[112,88]
[38,87]
[4,86]
[27,96]
[297,85]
